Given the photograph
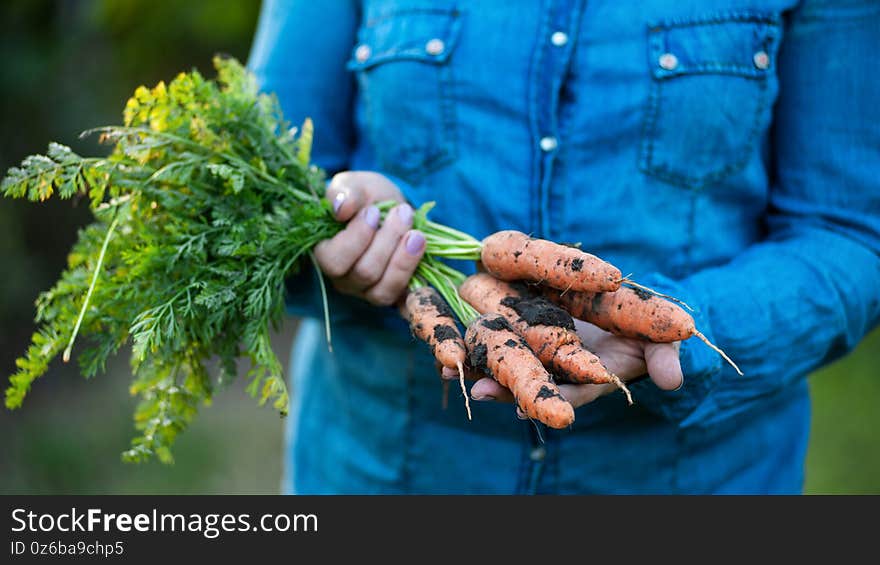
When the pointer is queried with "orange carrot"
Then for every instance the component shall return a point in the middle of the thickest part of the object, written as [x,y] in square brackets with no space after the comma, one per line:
[496,349]
[512,255]
[634,313]
[431,321]
[548,330]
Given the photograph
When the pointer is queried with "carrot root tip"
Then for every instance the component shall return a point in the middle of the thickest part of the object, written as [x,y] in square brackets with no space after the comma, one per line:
[619,384]
[467,402]
[718,350]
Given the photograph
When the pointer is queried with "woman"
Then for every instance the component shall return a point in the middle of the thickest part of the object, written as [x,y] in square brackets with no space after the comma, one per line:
[724,153]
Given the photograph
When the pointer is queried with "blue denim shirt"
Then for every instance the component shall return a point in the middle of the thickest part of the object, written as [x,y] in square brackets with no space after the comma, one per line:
[724,151]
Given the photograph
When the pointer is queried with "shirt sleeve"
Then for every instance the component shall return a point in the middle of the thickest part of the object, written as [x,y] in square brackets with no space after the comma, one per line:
[810,291]
[299,53]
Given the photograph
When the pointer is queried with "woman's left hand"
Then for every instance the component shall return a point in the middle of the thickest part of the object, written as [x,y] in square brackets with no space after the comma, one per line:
[628,358]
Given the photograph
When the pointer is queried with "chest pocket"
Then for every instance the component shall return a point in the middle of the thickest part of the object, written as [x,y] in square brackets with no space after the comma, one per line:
[712,86]
[402,65]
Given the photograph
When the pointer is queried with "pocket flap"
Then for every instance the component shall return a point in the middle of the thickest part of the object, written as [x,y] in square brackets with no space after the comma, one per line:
[742,44]
[424,34]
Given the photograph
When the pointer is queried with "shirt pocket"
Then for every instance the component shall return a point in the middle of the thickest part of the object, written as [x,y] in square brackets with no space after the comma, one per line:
[712,87]
[402,66]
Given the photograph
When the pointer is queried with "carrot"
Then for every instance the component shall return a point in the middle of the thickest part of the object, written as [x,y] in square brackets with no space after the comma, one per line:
[512,255]
[634,313]
[496,349]
[548,330]
[431,320]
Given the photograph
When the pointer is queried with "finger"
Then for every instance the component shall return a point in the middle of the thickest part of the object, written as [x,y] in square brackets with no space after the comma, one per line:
[470,374]
[368,270]
[664,365]
[337,254]
[578,395]
[488,389]
[399,271]
[350,191]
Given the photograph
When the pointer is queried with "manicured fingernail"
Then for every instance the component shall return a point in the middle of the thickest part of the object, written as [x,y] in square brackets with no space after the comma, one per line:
[338,201]
[483,397]
[415,243]
[405,213]
[371,216]
[678,388]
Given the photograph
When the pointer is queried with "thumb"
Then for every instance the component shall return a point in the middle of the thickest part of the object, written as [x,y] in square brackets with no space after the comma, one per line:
[664,366]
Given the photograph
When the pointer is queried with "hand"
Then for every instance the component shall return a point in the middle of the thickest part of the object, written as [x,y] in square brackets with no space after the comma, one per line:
[627,358]
[365,259]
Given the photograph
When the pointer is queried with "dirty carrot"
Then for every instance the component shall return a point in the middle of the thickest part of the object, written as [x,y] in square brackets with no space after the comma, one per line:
[497,350]
[431,320]
[634,313]
[548,330]
[512,255]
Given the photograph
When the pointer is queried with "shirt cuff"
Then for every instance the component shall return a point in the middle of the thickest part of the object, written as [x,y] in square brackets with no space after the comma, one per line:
[700,365]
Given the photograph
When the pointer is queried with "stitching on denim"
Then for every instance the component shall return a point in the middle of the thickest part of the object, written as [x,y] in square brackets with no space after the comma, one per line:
[714,68]
[649,128]
[716,18]
[449,34]
[397,12]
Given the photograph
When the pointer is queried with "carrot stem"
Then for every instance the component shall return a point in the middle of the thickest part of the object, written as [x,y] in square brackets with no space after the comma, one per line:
[85,306]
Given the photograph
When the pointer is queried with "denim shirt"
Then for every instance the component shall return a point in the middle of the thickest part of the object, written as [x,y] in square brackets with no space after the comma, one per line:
[726,152]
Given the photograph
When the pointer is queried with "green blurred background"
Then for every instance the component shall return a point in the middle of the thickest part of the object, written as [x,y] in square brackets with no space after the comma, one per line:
[68,65]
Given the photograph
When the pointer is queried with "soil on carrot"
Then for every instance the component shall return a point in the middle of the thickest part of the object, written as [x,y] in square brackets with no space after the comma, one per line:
[545,392]
[479,357]
[443,332]
[577,264]
[443,309]
[643,294]
[497,324]
[539,311]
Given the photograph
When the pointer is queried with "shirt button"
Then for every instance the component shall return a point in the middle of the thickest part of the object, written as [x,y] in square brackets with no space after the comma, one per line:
[538,454]
[362,53]
[761,60]
[548,143]
[668,61]
[559,39]
[435,47]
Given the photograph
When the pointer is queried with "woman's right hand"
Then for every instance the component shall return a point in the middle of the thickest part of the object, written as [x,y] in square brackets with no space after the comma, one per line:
[368,260]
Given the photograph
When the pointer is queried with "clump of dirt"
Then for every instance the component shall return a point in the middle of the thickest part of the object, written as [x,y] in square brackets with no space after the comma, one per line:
[443,332]
[538,311]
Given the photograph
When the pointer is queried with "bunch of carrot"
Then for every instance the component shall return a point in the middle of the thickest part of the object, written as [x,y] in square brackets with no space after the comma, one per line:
[208,201]
[523,335]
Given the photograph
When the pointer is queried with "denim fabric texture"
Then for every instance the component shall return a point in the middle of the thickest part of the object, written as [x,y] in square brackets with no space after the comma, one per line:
[726,152]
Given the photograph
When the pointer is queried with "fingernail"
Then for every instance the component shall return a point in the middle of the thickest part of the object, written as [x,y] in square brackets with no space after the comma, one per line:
[405,213]
[371,216]
[415,243]
[678,388]
[483,397]
[338,201]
